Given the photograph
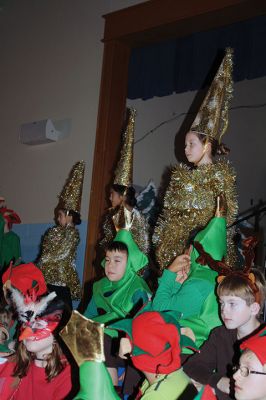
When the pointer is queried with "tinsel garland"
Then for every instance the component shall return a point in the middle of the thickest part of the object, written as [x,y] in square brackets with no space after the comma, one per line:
[57,260]
[190,203]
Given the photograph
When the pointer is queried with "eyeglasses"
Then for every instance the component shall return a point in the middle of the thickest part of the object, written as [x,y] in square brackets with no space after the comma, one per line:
[245,371]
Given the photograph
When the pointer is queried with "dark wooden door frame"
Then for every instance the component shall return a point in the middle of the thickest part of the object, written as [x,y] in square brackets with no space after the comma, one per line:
[148,22]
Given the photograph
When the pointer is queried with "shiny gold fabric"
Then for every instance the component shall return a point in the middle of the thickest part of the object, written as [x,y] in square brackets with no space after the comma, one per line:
[212,118]
[70,197]
[133,221]
[124,169]
[190,203]
[57,261]
[84,338]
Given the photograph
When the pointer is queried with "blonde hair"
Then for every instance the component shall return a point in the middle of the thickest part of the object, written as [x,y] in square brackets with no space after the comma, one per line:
[237,285]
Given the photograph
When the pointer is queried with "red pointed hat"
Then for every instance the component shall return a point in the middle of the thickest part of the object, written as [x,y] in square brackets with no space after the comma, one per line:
[27,278]
[257,344]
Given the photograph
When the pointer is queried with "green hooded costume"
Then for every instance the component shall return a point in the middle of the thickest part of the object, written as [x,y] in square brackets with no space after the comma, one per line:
[9,245]
[112,301]
[195,299]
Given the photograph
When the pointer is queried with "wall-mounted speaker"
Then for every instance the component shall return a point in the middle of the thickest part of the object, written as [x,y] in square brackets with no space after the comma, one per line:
[45,131]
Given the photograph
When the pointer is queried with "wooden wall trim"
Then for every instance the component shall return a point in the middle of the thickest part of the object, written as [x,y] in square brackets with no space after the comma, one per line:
[156,19]
[112,101]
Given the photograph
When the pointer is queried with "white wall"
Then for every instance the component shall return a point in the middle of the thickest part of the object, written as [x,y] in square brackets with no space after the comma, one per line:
[51,58]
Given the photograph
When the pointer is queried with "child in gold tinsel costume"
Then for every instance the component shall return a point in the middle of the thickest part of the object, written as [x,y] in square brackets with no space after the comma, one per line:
[190,200]
[59,246]
[124,214]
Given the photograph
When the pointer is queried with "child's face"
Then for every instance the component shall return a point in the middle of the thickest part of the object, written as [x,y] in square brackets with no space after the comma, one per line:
[115,265]
[63,219]
[115,198]
[235,312]
[5,318]
[42,345]
[195,150]
[253,386]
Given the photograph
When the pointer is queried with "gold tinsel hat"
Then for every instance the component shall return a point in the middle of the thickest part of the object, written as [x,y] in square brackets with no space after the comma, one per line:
[124,169]
[70,197]
[212,118]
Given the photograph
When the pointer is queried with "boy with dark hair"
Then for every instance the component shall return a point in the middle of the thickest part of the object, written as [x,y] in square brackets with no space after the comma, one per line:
[120,294]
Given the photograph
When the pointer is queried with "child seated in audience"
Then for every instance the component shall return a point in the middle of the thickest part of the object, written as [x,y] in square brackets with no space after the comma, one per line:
[154,341]
[120,294]
[29,280]
[38,369]
[250,375]
[7,330]
[241,295]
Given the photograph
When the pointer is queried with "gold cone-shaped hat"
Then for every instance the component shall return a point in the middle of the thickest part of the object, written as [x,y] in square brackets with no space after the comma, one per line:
[124,169]
[70,197]
[212,118]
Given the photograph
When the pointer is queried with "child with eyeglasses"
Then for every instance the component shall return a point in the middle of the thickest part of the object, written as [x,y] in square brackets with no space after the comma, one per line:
[241,295]
[250,375]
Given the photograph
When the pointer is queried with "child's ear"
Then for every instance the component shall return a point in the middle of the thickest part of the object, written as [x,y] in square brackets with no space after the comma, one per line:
[208,147]
[255,308]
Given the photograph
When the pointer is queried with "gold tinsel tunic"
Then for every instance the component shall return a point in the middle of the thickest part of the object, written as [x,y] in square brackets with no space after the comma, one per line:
[189,203]
[57,261]
[139,228]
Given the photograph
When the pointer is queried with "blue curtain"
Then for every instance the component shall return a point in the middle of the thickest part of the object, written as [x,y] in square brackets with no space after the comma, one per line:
[183,64]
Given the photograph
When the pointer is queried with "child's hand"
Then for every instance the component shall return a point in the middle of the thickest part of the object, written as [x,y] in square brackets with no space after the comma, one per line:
[221,206]
[124,348]
[224,385]
[197,385]
[180,264]
[181,276]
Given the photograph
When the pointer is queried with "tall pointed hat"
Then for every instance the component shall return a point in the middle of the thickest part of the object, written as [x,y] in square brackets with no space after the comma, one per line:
[124,169]
[70,197]
[212,117]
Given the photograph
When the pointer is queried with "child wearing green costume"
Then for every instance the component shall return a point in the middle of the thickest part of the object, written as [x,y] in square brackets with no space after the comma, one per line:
[9,240]
[189,288]
[121,293]
[154,341]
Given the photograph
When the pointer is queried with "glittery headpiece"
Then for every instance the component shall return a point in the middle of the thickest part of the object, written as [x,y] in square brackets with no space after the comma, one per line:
[70,197]
[124,169]
[225,270]
[212,117]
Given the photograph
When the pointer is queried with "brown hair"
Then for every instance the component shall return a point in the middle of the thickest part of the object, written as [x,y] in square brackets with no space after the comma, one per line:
[216,148]
[237,285]
[55,363]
